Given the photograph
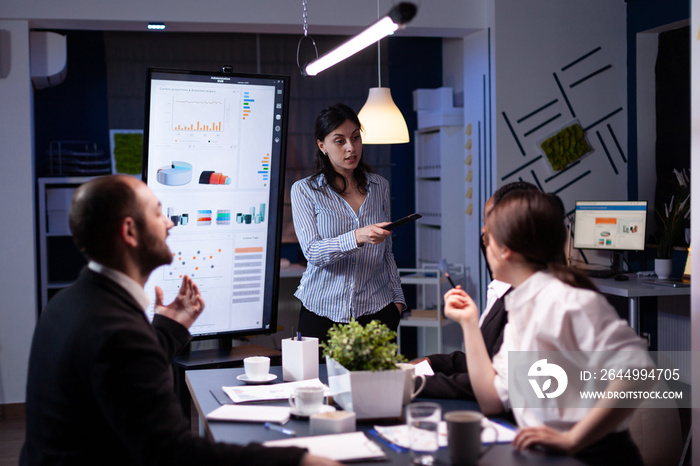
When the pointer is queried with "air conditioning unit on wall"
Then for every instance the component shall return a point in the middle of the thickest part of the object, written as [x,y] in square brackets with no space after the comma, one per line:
[48,55]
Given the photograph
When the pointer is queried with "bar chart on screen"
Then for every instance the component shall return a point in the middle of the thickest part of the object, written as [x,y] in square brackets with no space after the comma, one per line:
[198,115]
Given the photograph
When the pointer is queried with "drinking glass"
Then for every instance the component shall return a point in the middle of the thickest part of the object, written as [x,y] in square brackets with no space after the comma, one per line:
[423,419]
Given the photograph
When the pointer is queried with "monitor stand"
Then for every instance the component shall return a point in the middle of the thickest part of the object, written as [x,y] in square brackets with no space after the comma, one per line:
[618,259]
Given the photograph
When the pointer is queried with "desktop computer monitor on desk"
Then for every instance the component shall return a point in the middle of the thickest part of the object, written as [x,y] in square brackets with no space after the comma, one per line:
[615,226]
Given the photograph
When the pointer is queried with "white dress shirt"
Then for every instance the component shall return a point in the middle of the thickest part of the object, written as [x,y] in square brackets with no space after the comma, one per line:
[134,289]
[545,314]
[494,291]
[343,280]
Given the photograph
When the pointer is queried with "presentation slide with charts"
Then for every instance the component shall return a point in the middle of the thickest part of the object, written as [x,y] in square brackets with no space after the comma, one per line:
[617,225]
[213,143]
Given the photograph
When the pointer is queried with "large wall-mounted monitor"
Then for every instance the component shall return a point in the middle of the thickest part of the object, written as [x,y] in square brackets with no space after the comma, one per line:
[214,155]
[610,225]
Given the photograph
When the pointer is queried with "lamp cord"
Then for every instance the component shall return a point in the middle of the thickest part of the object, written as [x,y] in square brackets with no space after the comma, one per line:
[305,28]
[304,17]
[379,53]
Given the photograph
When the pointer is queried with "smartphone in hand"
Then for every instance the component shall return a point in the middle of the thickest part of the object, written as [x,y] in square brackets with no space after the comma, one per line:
[398,223]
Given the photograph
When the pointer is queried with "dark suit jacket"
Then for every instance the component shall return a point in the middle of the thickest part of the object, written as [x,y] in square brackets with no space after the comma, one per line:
[100,387]
[451,379]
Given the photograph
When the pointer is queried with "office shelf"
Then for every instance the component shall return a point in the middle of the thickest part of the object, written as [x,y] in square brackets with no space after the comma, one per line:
[439,167]
[59,259]
[430,283]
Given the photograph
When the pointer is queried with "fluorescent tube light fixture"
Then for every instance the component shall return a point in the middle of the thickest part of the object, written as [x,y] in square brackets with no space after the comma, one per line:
[156,26]
[397,18]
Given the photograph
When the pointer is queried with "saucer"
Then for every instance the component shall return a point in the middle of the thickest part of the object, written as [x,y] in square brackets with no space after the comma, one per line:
[324,409]
[268,378]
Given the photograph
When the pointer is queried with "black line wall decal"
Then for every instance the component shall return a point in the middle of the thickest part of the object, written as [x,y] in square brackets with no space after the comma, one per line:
[537,181]
[547,105]
[578,178]
[566,99]
[563,170]
[595,73]
[521,167]
[542,124]
[603,119]
[489,183]
[597,49]
[607,152]
[515,136]
[617,143]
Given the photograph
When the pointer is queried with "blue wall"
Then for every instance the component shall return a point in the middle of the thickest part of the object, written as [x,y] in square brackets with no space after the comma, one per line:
[415,63]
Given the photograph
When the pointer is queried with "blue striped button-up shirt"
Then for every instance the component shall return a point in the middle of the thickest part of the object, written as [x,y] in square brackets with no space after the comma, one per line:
[341,279]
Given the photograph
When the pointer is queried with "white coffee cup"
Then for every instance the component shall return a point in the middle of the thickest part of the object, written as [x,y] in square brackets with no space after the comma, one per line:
[409,387]
[306,401]
[256,367]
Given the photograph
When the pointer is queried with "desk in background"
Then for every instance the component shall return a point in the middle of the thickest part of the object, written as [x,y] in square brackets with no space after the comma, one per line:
[634,289]
[202,382]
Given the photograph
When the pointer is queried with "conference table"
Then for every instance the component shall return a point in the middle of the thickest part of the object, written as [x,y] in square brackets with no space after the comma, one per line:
[205,387]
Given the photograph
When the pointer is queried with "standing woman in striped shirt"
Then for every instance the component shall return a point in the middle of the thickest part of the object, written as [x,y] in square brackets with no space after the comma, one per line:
[338,216]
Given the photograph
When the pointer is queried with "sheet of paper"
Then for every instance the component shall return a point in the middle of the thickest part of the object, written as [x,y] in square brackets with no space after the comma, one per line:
[351,446]
[398,435]
[505,434]
[424,368]
[250,413]
[278,391]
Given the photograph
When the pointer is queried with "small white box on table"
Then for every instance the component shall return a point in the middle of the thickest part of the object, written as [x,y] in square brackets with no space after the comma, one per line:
[333,422]
[299,359]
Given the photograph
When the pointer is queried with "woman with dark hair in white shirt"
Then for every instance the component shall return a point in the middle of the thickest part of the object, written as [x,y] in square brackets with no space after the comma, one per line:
[551,308]
[338,215]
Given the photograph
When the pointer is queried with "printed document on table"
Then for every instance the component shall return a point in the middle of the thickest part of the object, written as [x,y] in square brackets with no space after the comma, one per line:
[278,391]
[351,446]
[250,413]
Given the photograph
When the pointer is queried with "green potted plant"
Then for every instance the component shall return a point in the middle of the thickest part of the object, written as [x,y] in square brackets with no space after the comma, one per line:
[362,372]
[672,223]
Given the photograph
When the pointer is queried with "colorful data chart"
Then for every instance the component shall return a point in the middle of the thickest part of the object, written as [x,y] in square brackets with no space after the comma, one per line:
[247,275]
[251,217]
[198,115]
[265,168]
[204,217]
[223,217]
[176,174]
[195,262]
[212,177]
[246,104]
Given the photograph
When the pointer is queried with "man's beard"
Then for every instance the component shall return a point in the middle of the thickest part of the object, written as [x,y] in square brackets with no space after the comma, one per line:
[153,252]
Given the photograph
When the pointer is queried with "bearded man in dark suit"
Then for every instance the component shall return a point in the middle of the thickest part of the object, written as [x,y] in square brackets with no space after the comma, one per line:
[100,386]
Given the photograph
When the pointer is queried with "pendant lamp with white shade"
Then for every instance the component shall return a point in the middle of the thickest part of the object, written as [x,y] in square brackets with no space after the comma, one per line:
[382,121]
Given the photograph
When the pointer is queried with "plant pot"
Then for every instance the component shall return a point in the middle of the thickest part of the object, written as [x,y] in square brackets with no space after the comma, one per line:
[663,267]
[370,395]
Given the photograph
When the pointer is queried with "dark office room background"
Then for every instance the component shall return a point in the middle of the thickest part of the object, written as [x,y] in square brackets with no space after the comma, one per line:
[105,89]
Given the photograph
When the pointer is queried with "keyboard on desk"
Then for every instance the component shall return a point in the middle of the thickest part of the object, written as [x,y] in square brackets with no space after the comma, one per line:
[599,273]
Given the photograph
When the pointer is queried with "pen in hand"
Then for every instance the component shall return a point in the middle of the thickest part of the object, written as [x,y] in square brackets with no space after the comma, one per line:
[447,275]
[283,430]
